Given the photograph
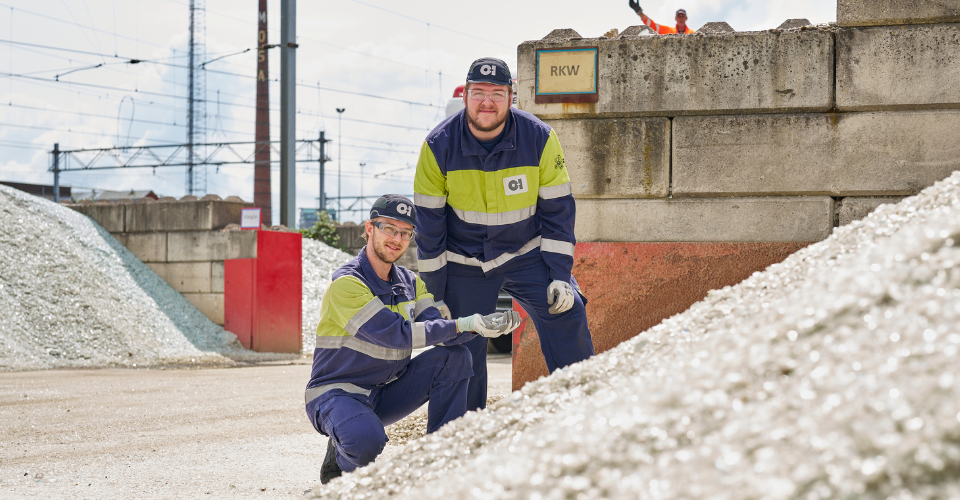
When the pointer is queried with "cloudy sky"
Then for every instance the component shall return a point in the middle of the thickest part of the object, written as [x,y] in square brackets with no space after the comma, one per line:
[392,65]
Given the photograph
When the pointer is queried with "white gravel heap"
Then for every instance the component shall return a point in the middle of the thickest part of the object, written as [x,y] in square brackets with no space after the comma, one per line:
[833,374]
[319,262]
[71,296]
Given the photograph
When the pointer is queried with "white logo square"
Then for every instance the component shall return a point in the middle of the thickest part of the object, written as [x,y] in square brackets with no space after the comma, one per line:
[515,184]
[409,308]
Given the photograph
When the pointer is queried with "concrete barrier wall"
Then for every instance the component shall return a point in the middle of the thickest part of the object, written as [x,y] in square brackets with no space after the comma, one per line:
[835,154]
[709,157]
[185,242]
[894,12]
[898,67]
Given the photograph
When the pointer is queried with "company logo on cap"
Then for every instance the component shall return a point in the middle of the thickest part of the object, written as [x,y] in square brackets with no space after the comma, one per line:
[394,206]
[489,70]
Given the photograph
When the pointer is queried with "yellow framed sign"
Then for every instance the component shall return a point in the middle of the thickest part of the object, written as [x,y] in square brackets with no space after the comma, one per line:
[567,75]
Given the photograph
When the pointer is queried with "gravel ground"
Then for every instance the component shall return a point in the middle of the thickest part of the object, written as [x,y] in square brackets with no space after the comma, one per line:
[170,433]
[319,263]
[834,374]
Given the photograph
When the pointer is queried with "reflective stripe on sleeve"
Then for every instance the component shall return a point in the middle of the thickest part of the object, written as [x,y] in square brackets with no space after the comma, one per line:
[557,246]
[550,192]
[314,392]
[426,201]
[421,306]
[498,219]
[364,347]
[495,263]
[419,335]
[430,265]
[363,315]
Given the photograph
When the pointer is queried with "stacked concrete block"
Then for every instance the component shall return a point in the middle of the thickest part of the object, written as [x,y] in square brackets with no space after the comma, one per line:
[855,208]
[708,157]
[834,154]
[616,157]
[706,220]
[184,242]
[789,71]
[898,67]
[896,12]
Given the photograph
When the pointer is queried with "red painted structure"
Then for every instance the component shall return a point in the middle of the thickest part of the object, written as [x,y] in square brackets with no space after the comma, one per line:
[262,297]
[631,287]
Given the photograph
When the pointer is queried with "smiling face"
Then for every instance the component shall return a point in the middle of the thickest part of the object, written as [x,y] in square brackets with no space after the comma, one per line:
[387,248]
[486,118]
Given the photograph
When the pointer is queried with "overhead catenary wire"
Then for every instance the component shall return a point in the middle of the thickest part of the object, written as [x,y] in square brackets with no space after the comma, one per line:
[157,98]
[302,38]
[127,60]
[451,30]
[51,18]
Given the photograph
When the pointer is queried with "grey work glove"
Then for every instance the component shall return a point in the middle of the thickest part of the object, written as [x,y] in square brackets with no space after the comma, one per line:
[444,310]
[635,5]
[491,325]
[562,293]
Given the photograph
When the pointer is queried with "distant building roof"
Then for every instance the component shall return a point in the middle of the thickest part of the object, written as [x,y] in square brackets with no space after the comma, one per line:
[133,194]
[41,190]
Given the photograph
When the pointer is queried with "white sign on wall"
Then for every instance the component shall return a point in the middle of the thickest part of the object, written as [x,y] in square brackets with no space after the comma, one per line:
[250,218]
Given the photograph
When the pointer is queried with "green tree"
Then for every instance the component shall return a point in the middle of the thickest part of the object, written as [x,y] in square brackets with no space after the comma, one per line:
[323,230]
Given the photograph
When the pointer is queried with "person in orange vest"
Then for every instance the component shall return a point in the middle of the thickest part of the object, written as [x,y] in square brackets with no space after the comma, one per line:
[681,19]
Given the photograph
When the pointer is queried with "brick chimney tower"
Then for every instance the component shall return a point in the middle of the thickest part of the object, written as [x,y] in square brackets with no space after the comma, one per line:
[261,168]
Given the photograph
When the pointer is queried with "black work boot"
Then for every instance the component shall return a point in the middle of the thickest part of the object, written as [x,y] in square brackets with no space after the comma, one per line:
[329,469]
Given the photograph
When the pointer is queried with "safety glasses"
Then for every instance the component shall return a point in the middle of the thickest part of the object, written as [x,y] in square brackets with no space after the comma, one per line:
[391,230]
[480,96]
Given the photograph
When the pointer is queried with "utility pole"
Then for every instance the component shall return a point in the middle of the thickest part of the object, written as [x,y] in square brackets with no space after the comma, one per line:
[262,188]
[56,172]
[288,108]
[196,109]
[339,156]
[191,71]
[361,184]
[322,200]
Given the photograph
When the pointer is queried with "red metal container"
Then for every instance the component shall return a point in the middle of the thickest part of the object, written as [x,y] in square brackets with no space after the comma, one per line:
[262,297]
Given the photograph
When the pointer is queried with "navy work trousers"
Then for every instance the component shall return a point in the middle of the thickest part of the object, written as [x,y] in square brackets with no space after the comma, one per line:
[356,422]
[564,338]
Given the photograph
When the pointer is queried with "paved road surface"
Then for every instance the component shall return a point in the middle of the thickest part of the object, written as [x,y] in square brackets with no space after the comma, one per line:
[175,433]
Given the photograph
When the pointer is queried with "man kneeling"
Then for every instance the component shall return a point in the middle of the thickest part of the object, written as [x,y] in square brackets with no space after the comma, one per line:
[373,314]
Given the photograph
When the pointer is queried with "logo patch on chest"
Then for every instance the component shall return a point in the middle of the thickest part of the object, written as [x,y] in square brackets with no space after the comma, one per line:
[409,309]
[515,184]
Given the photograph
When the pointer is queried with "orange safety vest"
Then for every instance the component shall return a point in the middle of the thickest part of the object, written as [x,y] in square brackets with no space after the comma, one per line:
[666,30]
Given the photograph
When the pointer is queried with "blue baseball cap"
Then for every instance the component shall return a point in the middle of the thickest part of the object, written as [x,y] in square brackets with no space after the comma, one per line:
[396,207]
[489,70]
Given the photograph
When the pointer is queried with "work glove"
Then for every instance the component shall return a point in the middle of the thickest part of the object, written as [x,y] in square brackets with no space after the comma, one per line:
[491,325]
[635,5]
[444,310]
[562,293]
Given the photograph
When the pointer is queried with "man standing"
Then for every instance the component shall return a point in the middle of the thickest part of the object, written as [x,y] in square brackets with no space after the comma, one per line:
[372,316]
[495,210]
[681,19]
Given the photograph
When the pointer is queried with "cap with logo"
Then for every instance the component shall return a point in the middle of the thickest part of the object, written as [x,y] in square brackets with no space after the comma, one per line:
[396,207]
[489,70]
[681,11]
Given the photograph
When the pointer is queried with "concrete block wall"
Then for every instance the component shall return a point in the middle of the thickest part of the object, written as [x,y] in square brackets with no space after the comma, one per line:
[708,157]
[185,242]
